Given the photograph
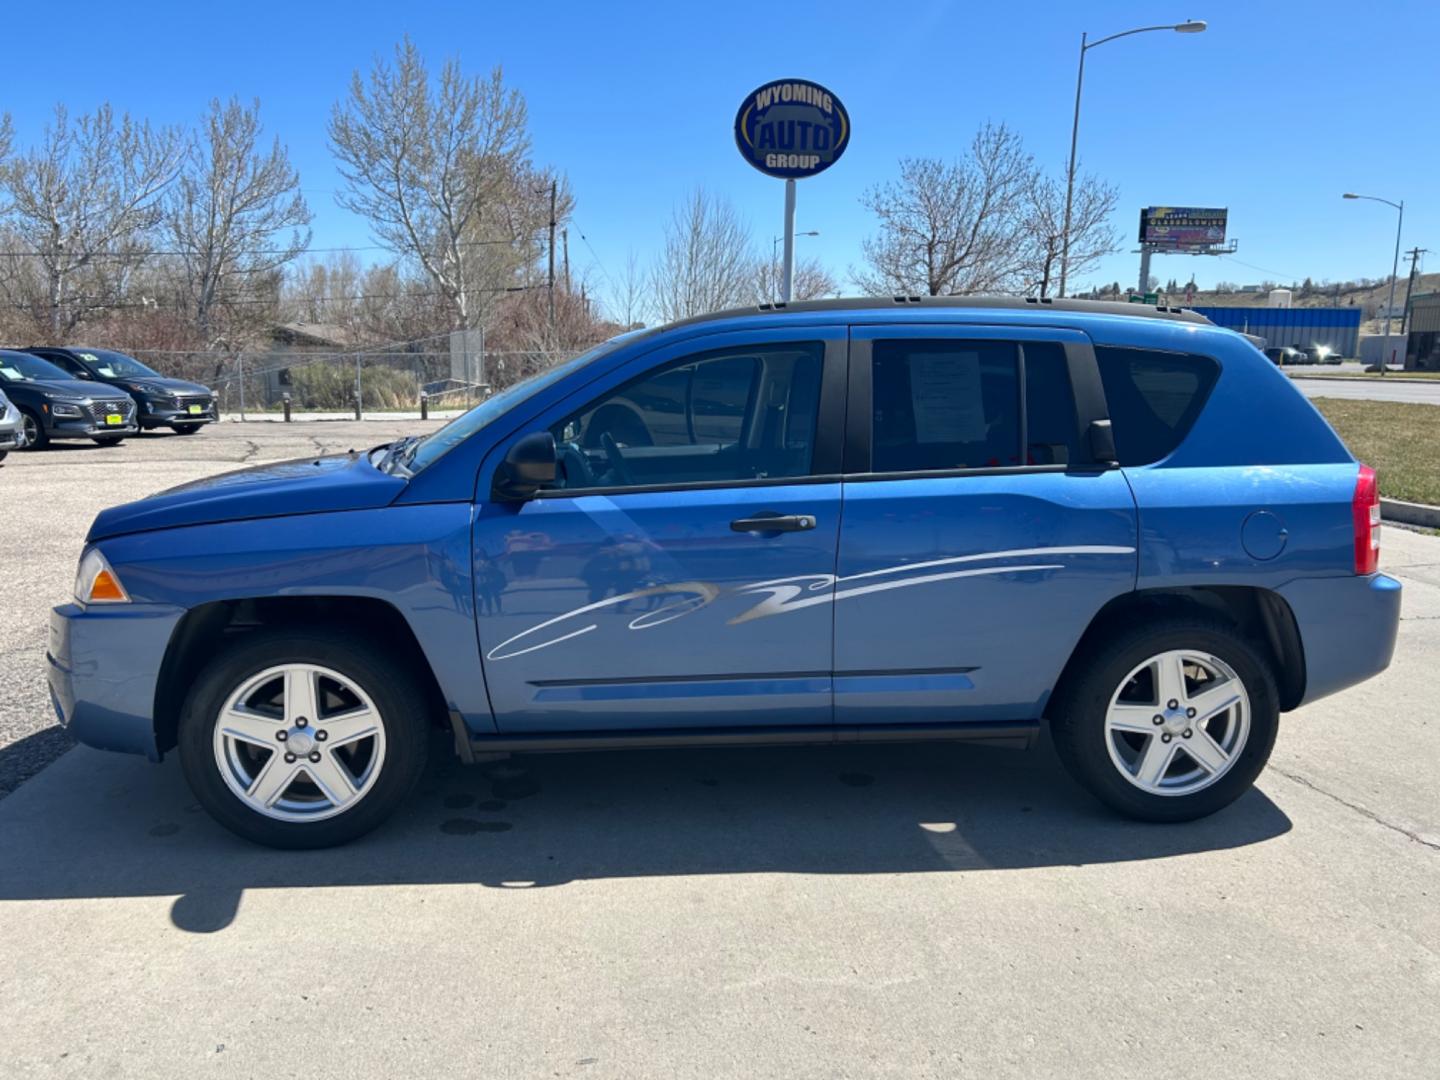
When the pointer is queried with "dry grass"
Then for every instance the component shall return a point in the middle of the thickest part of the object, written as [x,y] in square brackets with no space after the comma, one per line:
[1401,441]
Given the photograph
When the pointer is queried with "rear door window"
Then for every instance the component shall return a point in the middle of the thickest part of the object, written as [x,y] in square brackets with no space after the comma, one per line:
[943,404]
[1153,398]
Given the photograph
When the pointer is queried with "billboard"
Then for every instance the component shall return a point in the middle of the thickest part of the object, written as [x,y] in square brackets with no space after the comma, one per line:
[1193,227]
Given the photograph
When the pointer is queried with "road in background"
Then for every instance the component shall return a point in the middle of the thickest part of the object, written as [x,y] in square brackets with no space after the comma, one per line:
[799,912]
[1407,391]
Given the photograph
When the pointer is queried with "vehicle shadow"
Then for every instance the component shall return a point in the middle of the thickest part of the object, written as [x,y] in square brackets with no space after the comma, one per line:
[98,825]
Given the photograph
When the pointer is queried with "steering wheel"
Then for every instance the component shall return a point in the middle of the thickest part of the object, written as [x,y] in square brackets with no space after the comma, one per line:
[617,463]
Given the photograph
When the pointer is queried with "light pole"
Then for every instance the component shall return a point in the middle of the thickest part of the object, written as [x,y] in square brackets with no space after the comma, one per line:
[1189,26]
[788,272]
[1394,265]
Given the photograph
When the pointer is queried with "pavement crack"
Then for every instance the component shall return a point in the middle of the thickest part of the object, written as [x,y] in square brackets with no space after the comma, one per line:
[249,455]
[1361,810]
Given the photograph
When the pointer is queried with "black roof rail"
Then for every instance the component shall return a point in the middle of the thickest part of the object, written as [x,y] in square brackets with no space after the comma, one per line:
[977,303]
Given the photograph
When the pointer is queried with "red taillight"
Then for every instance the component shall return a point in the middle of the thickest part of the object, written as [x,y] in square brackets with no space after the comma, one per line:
[1365,510]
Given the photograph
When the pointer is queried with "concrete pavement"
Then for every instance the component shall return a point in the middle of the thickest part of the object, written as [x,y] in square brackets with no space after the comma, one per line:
[865,911]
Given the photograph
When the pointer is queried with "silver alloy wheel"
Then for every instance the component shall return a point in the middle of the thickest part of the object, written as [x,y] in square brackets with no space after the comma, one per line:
[1178,722]
[299,742]
[29,431]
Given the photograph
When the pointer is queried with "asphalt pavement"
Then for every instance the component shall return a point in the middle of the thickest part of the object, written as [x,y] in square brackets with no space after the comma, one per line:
[861,911]
[1417,391]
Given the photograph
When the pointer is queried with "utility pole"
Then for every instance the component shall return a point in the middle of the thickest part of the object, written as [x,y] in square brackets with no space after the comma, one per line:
[1414,254]
[553,184]
[565,247]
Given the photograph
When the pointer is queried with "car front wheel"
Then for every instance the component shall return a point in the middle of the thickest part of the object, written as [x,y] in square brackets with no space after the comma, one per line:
[35,435]
[303,739]
[1168,721]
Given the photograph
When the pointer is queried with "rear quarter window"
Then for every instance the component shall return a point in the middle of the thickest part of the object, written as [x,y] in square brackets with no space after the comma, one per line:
[1153,398]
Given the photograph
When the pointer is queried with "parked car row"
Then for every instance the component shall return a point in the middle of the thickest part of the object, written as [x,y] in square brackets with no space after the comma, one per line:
[1285,355]
[51,393]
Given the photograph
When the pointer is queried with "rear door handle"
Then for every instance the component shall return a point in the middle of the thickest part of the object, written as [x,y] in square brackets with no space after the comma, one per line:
[774,523]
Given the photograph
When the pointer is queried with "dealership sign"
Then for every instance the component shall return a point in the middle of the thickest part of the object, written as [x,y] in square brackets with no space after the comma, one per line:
[1185,227]
[791,129]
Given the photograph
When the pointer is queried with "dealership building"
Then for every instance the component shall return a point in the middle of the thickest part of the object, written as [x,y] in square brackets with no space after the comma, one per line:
[1337,327]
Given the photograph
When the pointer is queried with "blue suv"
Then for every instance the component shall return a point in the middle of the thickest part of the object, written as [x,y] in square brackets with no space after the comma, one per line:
[841,521]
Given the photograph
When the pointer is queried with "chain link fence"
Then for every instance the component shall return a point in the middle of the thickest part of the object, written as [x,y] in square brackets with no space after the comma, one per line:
[402,379]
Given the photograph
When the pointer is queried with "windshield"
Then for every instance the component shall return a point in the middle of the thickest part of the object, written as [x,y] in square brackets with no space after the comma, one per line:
[22,367]
[430,449]
[114,365]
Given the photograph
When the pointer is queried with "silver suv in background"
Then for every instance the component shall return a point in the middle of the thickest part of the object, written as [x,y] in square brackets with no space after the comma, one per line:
[12,427]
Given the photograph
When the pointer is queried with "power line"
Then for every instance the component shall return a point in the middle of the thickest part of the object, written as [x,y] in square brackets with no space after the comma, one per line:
[257,251]
[181,305]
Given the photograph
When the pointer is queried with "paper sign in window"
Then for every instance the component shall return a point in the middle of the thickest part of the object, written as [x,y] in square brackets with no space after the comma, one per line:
[945,395]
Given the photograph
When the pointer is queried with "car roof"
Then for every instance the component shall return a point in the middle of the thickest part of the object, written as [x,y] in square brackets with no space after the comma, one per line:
[841,305]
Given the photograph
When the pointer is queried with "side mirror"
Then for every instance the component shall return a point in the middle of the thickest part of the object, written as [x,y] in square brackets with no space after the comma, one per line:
[1102,442]
[528,464]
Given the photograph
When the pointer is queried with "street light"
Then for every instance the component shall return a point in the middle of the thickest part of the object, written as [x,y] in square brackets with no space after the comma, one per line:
[775,256]
[1394,266]
[1189,26]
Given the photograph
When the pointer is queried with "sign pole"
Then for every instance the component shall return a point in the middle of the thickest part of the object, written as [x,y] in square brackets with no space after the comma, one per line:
[788,273]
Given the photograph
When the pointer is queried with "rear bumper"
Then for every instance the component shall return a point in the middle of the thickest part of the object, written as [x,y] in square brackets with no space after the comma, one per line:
[104,663]
[1347,629]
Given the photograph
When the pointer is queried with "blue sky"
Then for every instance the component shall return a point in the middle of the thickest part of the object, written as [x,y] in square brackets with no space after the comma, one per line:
[1274,112]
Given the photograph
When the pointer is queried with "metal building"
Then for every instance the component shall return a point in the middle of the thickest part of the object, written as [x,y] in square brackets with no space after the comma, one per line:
[1422,353]
[1338,327]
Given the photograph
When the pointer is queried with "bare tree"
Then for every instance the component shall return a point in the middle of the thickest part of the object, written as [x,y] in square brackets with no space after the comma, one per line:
[952,228]
[86,201]
[1091,235]
[811,281]
[236,216]
[629,298]
[7,133]
[706,262]
[430,163]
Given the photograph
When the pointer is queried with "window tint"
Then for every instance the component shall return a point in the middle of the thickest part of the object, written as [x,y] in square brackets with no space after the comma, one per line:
[727,415]
[1153,398]
[1052,433]
[944,404]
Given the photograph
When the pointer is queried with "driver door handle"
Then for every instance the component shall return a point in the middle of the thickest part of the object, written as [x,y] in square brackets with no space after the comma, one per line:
[776,523]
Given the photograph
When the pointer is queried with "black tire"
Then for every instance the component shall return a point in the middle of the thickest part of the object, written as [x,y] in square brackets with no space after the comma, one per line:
[3,454]
[391,687]
[185,429]
[36,437]
[108,440]
[1078,718]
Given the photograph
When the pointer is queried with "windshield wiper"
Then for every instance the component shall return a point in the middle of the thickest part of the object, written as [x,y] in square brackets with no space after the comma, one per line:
[394,452]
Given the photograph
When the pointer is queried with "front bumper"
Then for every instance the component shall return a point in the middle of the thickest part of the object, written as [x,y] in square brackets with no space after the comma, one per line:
[1347,629]
[104,665]
[165,412]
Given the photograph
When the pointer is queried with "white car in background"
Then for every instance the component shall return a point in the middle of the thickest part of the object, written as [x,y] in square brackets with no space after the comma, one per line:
[12,427]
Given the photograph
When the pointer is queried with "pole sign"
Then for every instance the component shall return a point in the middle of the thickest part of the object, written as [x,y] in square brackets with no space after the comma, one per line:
[791,129]
[1186,228]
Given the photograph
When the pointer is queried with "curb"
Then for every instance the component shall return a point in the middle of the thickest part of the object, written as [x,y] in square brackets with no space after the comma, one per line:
[1408,513]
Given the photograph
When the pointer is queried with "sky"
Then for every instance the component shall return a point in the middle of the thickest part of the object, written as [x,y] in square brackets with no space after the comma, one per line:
[1273,112]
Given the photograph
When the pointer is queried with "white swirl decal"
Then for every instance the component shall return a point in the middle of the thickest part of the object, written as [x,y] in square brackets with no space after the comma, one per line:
[782,595]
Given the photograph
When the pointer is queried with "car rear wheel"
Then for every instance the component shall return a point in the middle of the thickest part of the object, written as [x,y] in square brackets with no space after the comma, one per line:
[1168,721]
[303,739]
[35,436]
[185,429]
